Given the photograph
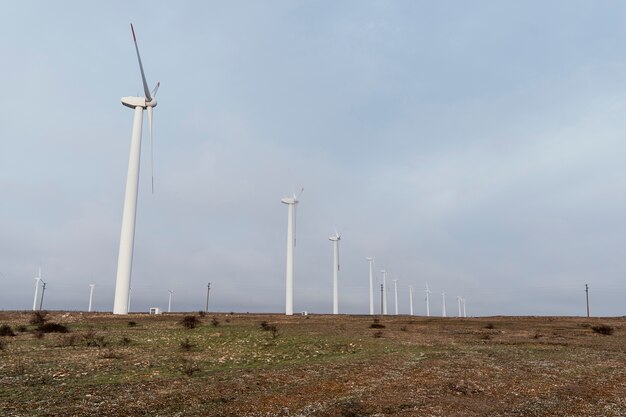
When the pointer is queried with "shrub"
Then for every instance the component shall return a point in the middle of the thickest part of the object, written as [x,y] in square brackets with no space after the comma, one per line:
[215,322]
[264,325]
[125,341]
[603,329]
[404,329]
[188,367]
[6,330]
[190,322]
[377,324]
[3,344]
[21,328]
[66,340]
[201,313]
[490,326]
[378,334]
[186,345]
[131,323]
[38,318]
[51,327]
[92,339]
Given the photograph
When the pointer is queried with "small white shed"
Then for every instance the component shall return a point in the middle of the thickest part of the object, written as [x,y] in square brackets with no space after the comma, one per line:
[155,310]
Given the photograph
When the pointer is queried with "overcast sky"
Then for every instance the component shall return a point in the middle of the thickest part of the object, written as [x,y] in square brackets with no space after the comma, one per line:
[477,146]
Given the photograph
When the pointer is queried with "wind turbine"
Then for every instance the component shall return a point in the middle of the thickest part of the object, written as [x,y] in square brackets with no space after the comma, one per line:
[443,304]
[464,311]
[37,283]
[127,235]
[90,296]
[370,260]
[411,300]
[395,291]
[459,299]
[335,239]
[428,292]
[169,303]
[291,243]
[384,272]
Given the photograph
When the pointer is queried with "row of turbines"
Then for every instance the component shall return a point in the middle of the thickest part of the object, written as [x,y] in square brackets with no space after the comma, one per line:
[291,203]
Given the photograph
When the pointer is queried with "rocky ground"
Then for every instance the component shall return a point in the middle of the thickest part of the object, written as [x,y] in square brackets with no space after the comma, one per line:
[272,365]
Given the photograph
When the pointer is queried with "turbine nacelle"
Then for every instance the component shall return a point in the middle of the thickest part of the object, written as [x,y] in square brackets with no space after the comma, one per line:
[134,102]
[289,200]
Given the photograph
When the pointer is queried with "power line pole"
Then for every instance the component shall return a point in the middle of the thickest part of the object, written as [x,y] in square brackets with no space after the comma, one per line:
[43,291]
[208,290]
[586,295]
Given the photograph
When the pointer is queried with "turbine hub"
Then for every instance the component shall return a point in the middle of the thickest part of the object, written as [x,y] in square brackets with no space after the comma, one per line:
[134,102]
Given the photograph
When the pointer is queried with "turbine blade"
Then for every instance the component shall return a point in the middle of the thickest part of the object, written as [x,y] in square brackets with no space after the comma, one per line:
[156,88]
[146,90]
[151,148]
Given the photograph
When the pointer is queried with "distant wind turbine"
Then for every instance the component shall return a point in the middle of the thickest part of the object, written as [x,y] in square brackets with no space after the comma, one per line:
[90,296]
[410,300]
[384,272]
[428,292]
[335,239]
[443,304]
[464,311]
[291,243]
[395,291]
[169,302]
[370,260]
[37,283]
[127,235]
[459,300]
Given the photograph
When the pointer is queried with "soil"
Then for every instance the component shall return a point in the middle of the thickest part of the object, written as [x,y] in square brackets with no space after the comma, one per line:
[316,365]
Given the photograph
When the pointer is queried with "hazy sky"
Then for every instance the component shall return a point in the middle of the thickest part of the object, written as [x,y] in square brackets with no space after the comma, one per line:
[477,146]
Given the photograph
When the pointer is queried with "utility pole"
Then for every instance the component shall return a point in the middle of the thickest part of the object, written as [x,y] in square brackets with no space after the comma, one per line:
[43,290]
[586,294]
[208,290]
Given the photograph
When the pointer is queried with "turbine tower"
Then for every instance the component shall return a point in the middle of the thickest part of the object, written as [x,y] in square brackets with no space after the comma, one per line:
[384,272]
[291,243]
[411,300]
[37,283]
[428,292]
[90,296]
[127,235]
[459,299]
[370,260]
[335,239]
[443,304]
[395,292]
[169,302]
[464,311]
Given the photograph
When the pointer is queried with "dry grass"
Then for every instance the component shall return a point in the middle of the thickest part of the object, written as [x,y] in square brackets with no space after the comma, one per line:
[319,366]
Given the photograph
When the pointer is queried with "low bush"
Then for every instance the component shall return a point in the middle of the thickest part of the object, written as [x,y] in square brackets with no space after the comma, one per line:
[93,339]
[21,328]
[51,327]
[38,318]
[66,340]
[189,367]
[377,324]
[490,326]
[604,329]
[125,341]
[190,322]
[215,322]
[6,330]
[131,323]
[186,345]
[378,334]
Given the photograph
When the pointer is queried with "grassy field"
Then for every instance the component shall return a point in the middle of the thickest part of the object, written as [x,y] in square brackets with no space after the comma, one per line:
[232,365]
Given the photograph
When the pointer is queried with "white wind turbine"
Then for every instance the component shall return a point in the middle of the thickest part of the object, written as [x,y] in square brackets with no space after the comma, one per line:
[169,302]
[464,311]
[127,236]
[395,292]
[37,284]
[443,304]
[291,243]
[384,272]
[459,300]
[428,292]
[90,296]
[335,239]
[370,260]
[411,300]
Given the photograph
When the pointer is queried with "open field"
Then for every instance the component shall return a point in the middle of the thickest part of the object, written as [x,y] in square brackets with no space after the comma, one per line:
[312,366]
